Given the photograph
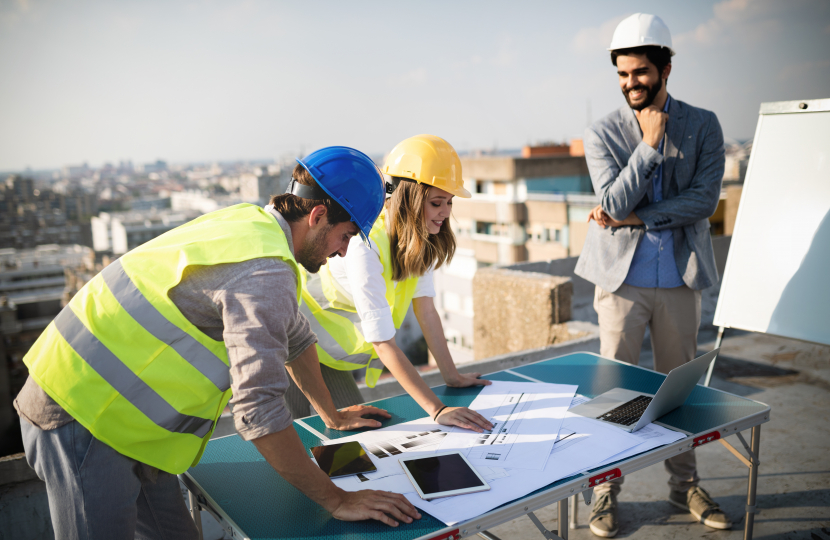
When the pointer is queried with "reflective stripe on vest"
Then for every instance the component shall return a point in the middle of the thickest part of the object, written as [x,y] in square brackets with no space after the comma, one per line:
[120,377]
[126,363]
[134,303]
[341,344]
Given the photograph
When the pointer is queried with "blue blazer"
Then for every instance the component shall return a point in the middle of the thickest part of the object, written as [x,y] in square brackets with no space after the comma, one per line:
[622,166]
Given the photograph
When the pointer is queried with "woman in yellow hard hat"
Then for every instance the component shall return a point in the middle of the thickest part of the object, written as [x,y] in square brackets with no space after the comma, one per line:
[355,304]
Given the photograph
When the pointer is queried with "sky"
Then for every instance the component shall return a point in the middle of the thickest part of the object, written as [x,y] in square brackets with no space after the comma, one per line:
[87,81]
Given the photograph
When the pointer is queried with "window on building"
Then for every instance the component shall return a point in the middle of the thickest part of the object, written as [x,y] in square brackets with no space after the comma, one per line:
[485,227]
[554,235]
[479,186]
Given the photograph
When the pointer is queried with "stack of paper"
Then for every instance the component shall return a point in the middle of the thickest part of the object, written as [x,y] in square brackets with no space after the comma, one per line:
[535,442]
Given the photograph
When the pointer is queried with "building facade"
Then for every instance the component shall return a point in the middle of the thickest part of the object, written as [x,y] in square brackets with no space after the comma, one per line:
[521,209]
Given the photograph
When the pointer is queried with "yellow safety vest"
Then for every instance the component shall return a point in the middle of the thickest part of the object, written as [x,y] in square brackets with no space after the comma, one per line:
[123,360]
[334,319]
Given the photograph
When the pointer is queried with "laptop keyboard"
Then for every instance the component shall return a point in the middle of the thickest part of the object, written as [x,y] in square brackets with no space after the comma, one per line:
[627,413]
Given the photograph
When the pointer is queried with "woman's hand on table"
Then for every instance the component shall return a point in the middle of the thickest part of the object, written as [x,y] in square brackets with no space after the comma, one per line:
[464,417]
[462,380]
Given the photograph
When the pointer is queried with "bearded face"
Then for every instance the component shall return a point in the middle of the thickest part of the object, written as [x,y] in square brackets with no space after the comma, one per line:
[315,250]
[641,96]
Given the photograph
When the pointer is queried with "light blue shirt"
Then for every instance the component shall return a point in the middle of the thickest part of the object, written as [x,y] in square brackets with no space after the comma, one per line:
[653,264]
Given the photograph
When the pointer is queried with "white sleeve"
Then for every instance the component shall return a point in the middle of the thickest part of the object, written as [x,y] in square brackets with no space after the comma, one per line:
[365,273]
[426,286]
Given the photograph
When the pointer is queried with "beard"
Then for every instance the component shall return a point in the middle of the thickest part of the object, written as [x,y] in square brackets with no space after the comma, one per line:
[312,255]
[651,93]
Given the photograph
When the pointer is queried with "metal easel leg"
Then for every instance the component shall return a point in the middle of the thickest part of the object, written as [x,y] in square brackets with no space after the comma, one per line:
[718,342]
[574,524]
[195,512]
[755,443]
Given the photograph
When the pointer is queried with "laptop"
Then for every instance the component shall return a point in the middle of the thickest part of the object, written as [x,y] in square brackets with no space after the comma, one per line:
[630,410]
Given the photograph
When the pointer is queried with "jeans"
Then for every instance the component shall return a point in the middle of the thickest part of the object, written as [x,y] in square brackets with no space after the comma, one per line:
[95,493]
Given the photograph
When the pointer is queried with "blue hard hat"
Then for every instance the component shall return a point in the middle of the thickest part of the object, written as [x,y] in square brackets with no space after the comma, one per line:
[352,179]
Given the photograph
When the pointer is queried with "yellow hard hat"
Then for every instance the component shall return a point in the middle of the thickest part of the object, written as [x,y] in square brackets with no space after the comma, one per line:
[427,159]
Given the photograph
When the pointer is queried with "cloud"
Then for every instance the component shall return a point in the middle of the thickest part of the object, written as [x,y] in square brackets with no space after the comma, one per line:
[736,21]
[413,77]
[596,38]
[12,12]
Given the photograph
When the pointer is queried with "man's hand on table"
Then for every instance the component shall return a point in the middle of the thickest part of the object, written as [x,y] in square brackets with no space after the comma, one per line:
[284,451]
[379,505]
[605,221]
[351,418]
[464,417]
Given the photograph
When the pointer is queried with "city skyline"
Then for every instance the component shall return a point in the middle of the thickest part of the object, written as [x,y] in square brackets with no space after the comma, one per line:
[206,81]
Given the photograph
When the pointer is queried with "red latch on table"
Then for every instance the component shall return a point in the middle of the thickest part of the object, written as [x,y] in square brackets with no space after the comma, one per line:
[604,477]
[446,536]
[703,439]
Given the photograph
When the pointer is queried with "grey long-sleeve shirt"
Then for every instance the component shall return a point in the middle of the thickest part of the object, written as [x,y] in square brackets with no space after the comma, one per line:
[252,307]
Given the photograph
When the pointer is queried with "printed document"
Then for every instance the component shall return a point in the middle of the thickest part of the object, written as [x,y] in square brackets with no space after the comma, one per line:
[526,418]
[582,444]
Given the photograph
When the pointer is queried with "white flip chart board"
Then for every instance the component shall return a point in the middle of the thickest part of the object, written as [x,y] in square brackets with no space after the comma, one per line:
[777,277]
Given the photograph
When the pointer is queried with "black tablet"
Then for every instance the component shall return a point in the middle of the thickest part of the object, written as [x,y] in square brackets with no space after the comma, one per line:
[343,459]
[443,475]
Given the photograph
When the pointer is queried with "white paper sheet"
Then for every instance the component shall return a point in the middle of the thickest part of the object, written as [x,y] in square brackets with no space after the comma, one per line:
[526,418]
[583,443]
[650,436]
[580,444]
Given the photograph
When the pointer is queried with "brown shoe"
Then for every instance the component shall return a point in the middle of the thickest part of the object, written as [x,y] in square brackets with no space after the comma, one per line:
[603,520]
[699,503]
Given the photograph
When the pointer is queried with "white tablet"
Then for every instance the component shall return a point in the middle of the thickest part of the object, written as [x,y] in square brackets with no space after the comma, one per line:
[443,475]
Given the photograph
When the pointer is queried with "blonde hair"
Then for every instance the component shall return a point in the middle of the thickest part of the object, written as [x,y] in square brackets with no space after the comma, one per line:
[414,249]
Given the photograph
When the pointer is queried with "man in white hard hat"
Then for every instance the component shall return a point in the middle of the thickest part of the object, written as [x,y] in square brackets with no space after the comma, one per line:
[657,165]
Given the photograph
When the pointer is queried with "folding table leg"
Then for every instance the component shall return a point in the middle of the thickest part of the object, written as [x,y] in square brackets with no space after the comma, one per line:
[563,519]
[574,524]
[755,443]
[195,512]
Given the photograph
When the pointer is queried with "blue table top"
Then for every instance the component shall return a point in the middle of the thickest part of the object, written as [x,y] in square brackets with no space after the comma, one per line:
[266,507]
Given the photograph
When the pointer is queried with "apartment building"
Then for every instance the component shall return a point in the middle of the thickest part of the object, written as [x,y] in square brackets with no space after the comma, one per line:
[32,289]
[258,187]
[522,209]
[119,232]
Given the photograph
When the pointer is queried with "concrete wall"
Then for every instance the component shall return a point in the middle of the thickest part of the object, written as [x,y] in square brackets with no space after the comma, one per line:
[24,507]
[517,310]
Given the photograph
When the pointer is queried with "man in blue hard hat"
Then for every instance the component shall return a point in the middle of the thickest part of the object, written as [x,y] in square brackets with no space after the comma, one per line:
[657,165]
[126,384]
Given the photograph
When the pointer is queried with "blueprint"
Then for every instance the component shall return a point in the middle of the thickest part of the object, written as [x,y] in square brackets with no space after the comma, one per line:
[526,418]
[581,444]
[529,419]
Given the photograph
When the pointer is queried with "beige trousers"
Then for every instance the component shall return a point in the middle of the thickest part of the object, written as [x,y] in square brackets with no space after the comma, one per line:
[673,316]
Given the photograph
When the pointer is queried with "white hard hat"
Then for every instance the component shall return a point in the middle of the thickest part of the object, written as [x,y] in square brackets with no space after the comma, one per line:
[641,30]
